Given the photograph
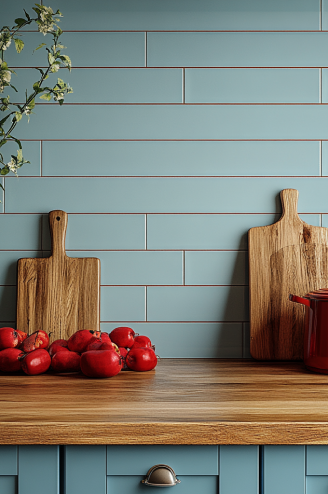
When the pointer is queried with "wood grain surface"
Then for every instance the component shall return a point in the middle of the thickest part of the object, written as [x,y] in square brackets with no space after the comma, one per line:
[289,256]
[183,401]
[58,294]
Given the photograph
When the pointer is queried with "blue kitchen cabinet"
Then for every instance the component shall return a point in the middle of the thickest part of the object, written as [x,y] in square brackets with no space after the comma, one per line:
[29,469]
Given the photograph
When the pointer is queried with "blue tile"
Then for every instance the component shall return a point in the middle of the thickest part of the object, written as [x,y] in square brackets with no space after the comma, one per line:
[112,85]
[214,340]
[246,340]
[317,485]
[99,50]
[31,153]
[324,15]
[151,15]
[22,231]
[204,231]
[185,460]
[190,158]
[190,303]
[47,459]
[8,303]
[237,49]
[8,264]
[137,268]
[170,195]
[174,121]
[85,469]
[123,302]
[216,268]
[317,460]
[8,460]
[325,158]
[252,85]
[8,484]
[14,10]
[239,469]
[284,469]
[105,231]
[165,195]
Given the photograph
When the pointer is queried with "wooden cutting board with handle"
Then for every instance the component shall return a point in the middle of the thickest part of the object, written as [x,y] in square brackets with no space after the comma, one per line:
[289,256]
[58,294]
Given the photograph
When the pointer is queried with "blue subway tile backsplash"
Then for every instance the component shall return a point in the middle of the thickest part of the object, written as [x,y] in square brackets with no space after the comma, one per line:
[187,120]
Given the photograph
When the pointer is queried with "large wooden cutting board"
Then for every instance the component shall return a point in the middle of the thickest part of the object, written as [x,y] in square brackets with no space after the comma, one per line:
[58,294]
[289,256]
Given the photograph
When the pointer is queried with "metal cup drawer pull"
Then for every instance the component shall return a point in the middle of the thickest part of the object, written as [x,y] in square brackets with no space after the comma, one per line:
[161,476]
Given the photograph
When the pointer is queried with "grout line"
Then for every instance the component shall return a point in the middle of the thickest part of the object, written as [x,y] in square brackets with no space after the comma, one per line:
[321,219]
[146,50]
[146,221]
[183,267]
[320,16]
[320,85]
[4,194]
[183,85]
[320,158]
[146,315]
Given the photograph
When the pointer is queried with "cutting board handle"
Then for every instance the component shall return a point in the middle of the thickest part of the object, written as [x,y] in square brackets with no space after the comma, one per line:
[58,225]
[289,200]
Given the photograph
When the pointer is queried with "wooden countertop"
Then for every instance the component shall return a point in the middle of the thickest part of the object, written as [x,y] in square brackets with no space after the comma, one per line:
[185,401]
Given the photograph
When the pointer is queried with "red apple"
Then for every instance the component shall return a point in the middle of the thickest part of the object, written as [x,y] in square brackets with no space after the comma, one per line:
[141,359]
[141,341]
[8,338]
[36,362]
[66,362]
[37,340]
[100,363]
[9,360]
[57,346]
[79,341]
[21,336]
[123,336]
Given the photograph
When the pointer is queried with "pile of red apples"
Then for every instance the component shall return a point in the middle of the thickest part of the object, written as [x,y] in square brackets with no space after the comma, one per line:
[94,353]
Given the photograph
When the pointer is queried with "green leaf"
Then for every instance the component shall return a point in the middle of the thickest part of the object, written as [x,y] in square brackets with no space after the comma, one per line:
[4,171]
[40,46]
[13,87]
[17,142]
[40,70]
[2,122]
[46,96]
[27,16]
[20,21]
[51,58]
[19,44]
[20,154]
[18,116]
[31,104]
[3,142]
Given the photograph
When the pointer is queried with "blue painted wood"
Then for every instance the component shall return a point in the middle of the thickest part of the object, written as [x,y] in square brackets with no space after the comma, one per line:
[137,268]
[185,460]
[193,303]
[239,469]
[110,232]
[284,469]
[204,231]
[317,484]
[240,50]
[123,302]
[189,485]
[216,268]
[252,86]
[85,470]
[8,460]
[172,158]
[168,195]
[8,484]
[317,460]
[8,264]
[190,15]
[218,340]
[38,469]
[224,122]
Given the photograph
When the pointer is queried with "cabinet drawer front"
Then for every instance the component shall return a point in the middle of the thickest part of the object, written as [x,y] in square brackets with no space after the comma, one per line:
[194,484]
[317,460]
[317,485]
[284,469]
[185,460]
[8,484]
[38,470]
[85,470]
[239,469]
[8,460]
